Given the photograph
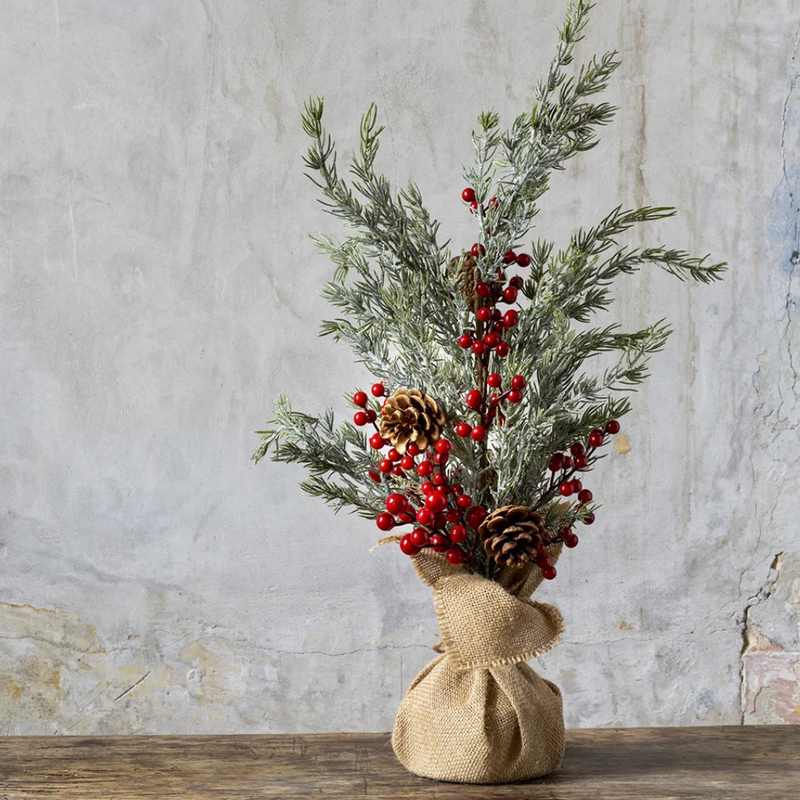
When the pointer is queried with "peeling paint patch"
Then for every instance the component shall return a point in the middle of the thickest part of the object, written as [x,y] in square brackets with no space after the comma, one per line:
[771,688]
[622,444]
[47,626]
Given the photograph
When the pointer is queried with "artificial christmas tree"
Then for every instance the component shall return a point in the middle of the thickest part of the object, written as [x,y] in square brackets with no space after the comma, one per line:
[483,422]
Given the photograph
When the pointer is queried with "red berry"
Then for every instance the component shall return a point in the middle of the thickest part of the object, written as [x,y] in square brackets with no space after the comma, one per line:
[516,282]
[474,399]
[483,289]
[478,250]
[458,534]
[577,449]
[556,462]
[427,487]
[478,433]
[385,521]
[452,515]
[443,446]
[376,441]
[425,469]
[492,340]
[510,257]
[510,294]
[376,476]
[396,503]
[455,556]
[576,486]
[502,349]
[468,195]
[371,415]
[510,318]
[518,382]
[360,418]
[360,399]
[473,206]
[585,496]
[596,438]
[565,489]
[462,429]
[435,502]
[397,471]
[439,543]
[570,539]
[524,260]
[476,515]
[479,348]
[494,380]
[497,314]
[378,390]
[425,516]
[406,462]
[419,537]
[412,448]
[514,396]
[441,458]
[581,462]
[407,545]
[612,426]
[405,517]
[484,314]
[463,501]
[494,202]
[385,465]
[588,519]
[567,462]
[393,455]
[549,572]
[464,341]
[457,489]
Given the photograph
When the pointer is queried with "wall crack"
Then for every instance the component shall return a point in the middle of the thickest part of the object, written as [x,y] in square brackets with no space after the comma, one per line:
[762,594]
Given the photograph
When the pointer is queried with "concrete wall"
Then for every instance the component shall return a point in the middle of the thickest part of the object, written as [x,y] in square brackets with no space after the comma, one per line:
[157,290]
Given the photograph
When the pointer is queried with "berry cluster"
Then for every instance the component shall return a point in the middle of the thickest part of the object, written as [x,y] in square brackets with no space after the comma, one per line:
[563,468]
[491,324]
[487,337]
[444,516]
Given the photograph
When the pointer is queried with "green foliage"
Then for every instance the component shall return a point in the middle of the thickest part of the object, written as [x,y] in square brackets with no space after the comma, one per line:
[401,307]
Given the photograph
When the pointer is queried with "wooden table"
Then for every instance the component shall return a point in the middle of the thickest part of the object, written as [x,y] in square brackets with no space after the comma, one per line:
[753,763]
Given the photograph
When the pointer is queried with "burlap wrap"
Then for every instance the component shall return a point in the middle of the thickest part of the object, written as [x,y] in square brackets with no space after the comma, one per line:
[478,713]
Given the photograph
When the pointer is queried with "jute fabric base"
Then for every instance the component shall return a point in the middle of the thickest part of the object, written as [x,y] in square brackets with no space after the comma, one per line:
[478,713]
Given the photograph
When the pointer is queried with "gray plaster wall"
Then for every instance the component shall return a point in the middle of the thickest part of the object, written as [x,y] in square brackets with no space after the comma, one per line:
[157,289]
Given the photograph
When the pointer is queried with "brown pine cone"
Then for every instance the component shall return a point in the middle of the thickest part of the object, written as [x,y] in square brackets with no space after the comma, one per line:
[411,416]
[512,534]
[467,267]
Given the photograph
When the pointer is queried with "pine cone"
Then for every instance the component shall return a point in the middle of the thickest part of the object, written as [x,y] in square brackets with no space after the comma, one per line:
[466,265]
[512,534]
[410,416]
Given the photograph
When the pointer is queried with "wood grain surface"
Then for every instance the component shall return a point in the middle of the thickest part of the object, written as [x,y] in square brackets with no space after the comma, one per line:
[755,763]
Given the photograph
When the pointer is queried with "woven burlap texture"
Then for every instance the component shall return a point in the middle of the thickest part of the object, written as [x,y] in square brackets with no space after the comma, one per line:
[478,713]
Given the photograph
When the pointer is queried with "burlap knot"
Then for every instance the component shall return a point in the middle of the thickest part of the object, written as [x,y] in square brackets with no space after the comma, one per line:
[478,713]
